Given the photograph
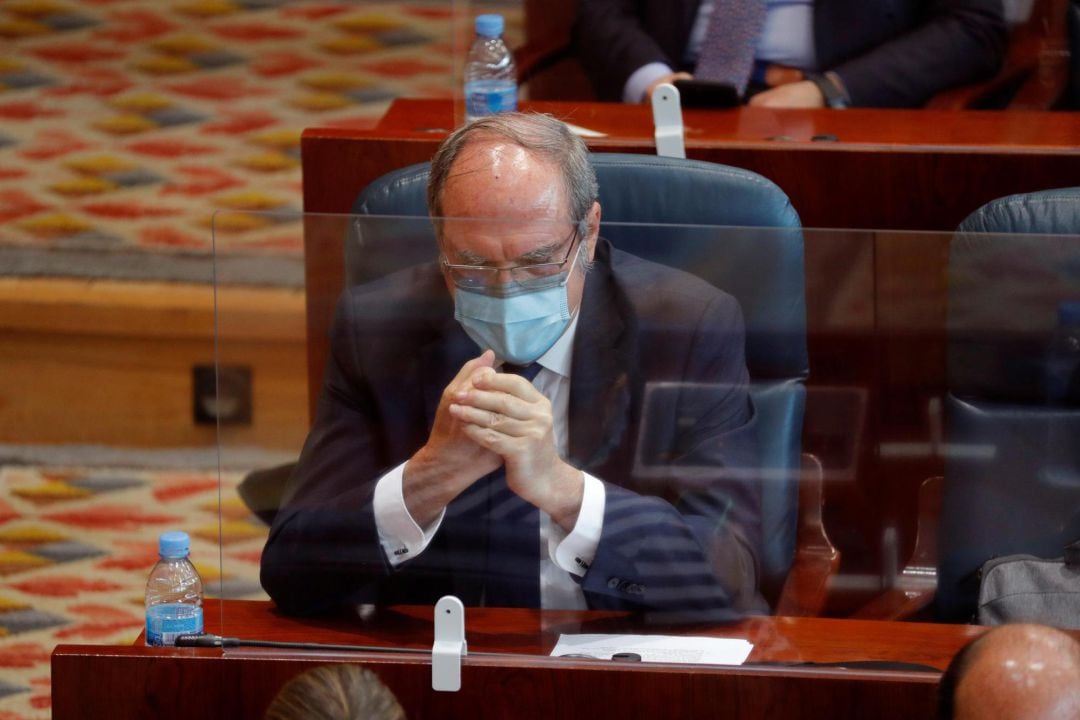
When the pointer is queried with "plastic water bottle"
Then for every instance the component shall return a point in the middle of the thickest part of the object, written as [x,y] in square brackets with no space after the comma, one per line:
[1063,357]
[490,73]
[174,593]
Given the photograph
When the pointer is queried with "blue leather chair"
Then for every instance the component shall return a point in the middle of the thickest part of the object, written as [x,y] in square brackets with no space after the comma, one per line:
[1012,474]
[762,266]
[1046,212]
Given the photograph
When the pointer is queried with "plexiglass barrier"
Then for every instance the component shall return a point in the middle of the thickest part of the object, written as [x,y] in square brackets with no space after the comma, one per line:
[726,425]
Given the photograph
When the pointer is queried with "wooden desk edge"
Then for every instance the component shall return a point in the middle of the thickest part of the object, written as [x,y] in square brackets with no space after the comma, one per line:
[487,660]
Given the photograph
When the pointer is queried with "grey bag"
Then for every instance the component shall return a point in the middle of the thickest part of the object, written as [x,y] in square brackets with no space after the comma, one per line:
[1023,588]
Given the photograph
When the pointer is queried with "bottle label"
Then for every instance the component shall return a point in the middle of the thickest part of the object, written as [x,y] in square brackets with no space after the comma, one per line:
[487,97]
[164,623]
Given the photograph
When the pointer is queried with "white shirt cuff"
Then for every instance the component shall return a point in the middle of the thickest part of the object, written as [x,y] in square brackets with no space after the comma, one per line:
[574,553]
[401,538]
[641,79]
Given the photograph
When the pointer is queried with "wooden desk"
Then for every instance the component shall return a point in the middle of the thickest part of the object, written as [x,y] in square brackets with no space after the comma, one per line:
[895,169]
[92,681]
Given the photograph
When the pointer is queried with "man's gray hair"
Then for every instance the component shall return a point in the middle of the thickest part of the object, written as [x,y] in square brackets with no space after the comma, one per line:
[543,136]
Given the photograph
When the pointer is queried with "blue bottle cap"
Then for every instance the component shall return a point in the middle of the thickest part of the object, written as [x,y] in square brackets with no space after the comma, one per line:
[1068,312]
[174,544]
[490,26]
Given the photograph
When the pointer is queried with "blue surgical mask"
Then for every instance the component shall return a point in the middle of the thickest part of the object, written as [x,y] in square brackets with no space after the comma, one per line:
[519,324]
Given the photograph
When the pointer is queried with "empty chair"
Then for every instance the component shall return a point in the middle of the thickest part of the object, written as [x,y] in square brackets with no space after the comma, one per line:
[1012,473]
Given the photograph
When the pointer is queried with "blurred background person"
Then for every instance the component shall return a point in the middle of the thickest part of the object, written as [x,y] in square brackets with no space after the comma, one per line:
[791,53]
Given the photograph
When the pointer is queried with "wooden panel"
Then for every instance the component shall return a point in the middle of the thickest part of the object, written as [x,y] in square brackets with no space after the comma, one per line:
[111,362]
[115,686]
[135,682]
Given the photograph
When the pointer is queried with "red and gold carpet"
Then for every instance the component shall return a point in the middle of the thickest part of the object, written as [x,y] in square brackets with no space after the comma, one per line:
[76,546]
[124,124]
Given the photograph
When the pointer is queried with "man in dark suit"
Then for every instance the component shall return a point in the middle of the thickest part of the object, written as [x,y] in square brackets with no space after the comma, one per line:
[435,466]
[868,53]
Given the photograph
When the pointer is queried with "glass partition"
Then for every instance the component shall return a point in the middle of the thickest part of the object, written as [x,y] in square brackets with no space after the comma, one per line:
[726,424]
[101,349]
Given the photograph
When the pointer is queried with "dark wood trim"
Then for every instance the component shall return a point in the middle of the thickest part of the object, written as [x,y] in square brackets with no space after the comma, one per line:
[137,682]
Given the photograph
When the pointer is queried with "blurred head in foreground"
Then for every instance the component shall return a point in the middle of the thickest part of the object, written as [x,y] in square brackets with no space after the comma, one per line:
[335,692]
[1019,672]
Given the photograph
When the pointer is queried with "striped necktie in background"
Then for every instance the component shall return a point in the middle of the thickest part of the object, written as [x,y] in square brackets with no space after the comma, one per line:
[727,54]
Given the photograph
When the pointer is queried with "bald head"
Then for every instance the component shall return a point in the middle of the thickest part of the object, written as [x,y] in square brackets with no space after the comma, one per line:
[1028,672]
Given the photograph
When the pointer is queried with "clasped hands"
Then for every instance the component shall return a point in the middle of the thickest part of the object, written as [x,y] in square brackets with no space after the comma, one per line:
[785,91]
[487,419]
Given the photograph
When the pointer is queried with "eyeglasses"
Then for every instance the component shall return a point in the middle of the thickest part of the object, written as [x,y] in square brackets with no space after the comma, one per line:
[472,277]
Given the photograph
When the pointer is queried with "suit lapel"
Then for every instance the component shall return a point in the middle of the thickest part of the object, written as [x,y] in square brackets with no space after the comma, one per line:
[602,369]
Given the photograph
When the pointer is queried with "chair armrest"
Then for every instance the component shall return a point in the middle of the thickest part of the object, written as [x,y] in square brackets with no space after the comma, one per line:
[539,54]
[1034,73]
[916,584]
[974,95]
[816,560]
[263,490]
[1045,86]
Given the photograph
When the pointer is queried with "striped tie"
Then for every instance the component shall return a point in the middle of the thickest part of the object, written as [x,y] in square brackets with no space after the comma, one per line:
[727,54]
[512,575]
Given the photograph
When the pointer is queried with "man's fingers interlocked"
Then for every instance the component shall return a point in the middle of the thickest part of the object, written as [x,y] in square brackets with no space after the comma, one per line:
[505,407]
[490,420]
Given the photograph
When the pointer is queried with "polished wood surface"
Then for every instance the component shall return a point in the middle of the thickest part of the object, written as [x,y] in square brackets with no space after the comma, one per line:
[956,160]
[884,129]
[521,681]
[110,362]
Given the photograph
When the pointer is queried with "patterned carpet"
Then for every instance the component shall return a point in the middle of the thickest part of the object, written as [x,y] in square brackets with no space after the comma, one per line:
[124,125]
[76,546]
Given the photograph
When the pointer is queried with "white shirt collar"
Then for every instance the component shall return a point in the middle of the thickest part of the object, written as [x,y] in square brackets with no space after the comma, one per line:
[560,356]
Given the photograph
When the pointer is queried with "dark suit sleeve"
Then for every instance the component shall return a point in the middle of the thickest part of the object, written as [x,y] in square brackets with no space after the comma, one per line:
[323,550]
[611,43]
[688,550]
[958,41]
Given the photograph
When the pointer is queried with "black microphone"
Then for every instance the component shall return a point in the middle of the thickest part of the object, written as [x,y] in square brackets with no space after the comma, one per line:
[198,641]
[217,641]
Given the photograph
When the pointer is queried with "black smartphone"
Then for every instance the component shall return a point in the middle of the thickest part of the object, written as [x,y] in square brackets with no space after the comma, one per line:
[707,94]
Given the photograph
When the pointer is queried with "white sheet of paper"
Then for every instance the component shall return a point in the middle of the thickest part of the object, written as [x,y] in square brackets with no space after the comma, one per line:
[657,648]
[584,132]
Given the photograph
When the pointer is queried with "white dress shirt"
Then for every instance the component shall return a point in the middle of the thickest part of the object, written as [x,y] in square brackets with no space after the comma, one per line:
[561,554]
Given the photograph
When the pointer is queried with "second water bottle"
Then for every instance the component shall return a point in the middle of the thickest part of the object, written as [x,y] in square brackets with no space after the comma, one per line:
[490,73]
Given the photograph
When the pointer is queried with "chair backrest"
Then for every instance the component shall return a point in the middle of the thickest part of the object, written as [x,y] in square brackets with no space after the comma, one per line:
[762,268]
[1012,470]
[1046,212]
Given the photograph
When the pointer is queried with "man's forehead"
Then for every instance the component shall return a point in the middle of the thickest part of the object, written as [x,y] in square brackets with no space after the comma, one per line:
[487,167]
[491,153]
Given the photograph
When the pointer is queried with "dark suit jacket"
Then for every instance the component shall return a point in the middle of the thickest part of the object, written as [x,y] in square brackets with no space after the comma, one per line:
[677,535]
[889,53]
